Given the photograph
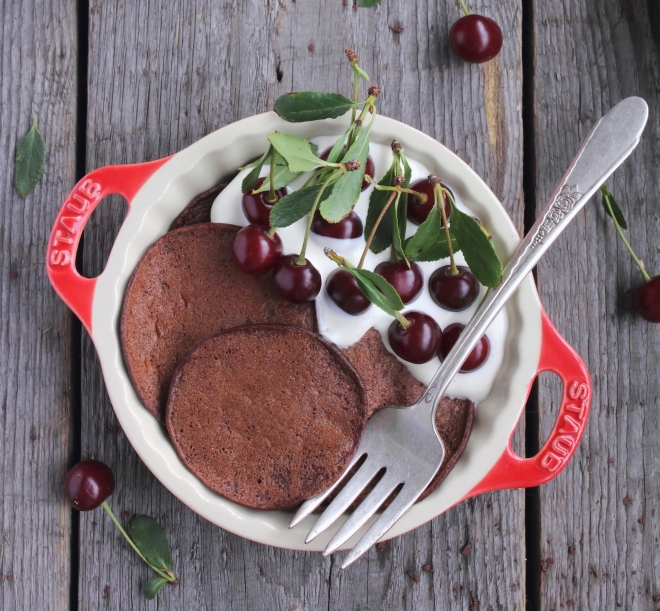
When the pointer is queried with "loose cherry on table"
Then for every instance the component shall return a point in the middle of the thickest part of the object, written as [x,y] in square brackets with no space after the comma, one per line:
[408,281]
[88,484]
[369,169]
[418,211]
[646,299]
[453,292]
[348,228]
[256,205]
[254,251]
[419,342]
[343,289]
[296,283]
[475,38]
[478,355]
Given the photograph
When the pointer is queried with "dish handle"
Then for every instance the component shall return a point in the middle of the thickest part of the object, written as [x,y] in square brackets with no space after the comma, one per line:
[512,471]
[75,290]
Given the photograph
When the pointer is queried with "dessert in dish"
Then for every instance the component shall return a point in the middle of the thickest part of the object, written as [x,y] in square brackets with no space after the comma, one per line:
[186,288]
[266,415]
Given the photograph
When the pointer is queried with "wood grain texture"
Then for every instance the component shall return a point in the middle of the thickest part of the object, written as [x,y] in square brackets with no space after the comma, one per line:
[600,522]
[163,74]
[37,75]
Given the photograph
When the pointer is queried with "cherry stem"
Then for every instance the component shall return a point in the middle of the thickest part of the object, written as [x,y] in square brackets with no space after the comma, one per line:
[464,7]
[312,177]
[271,197]
[403,321]
[301,258]
[422,196]
[168,575]
[365,109]
[375,228]
[440,201]
[640,265]
[356,87]
[271,232]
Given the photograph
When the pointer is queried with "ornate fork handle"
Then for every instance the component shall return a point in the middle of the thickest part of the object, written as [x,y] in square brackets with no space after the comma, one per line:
[599,155]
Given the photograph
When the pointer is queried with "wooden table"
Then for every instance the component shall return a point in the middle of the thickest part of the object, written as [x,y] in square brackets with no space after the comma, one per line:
[117,82]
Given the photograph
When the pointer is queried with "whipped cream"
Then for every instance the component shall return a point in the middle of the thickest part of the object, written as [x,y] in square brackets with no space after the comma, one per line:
[344,329]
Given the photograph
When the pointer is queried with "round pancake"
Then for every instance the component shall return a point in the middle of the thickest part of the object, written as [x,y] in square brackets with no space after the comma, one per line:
[266,415]
[184,289]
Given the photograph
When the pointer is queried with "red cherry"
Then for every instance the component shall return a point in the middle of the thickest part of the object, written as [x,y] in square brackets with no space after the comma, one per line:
[478,355]
[296,283]
[420,342]
[88,484]
[646,299]
[453,293]
[348,228]
[253,251]
[370,167]
[408,281]
[475,38]
[256,205]
[418,211]
[343,289]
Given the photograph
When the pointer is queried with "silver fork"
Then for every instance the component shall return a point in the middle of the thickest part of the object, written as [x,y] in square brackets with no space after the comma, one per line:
[403,441]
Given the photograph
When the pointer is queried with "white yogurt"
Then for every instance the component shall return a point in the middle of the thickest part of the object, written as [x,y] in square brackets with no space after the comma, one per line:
[344,329]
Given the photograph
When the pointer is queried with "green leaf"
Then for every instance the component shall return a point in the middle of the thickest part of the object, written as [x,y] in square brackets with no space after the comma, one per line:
[377,200]
[338,147]
[429,242]
[294,206]
[618,215]
[346,190]
[251,177]
[397,243]
[367,3]
[30,160]
[384,287]
[150,539]
[477,248]
[361,73]
[372,293]
[153,587]
[311,106]
[297,152]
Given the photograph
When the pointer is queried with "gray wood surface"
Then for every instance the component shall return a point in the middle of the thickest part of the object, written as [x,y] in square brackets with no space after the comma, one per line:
[599,523]
[37,75]
[213,63]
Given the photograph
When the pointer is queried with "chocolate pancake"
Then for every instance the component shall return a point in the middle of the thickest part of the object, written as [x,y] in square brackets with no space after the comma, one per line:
[184,289]
[266,415]
[390,383]
[199,209]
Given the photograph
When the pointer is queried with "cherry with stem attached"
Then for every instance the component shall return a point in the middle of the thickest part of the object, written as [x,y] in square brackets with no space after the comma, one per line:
[475,38]
[87,485]
[257,206]
[646,298]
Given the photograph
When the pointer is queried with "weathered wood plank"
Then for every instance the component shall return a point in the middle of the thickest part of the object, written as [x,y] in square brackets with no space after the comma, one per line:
[38,48]
[212,64]
[599,540]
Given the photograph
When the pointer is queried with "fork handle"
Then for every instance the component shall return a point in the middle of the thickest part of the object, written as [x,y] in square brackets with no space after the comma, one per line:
[606,147]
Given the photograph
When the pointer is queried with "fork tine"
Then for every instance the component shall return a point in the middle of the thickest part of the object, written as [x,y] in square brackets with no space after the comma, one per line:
[364,511]
[311,504]
[403,501]
[343,500]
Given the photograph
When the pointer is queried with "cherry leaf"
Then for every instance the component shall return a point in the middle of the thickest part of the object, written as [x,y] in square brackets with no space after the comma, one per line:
[377,200]
[429,242]
[153,587]
[251,177]
[30,160]
[346,190]
[385,300]
[477,247]
[367,3]
[297,152]
[312,106]
[294,206]
[616,211]
[150,539]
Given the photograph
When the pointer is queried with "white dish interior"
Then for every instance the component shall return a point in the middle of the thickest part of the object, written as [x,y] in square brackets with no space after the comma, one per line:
[197,169]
